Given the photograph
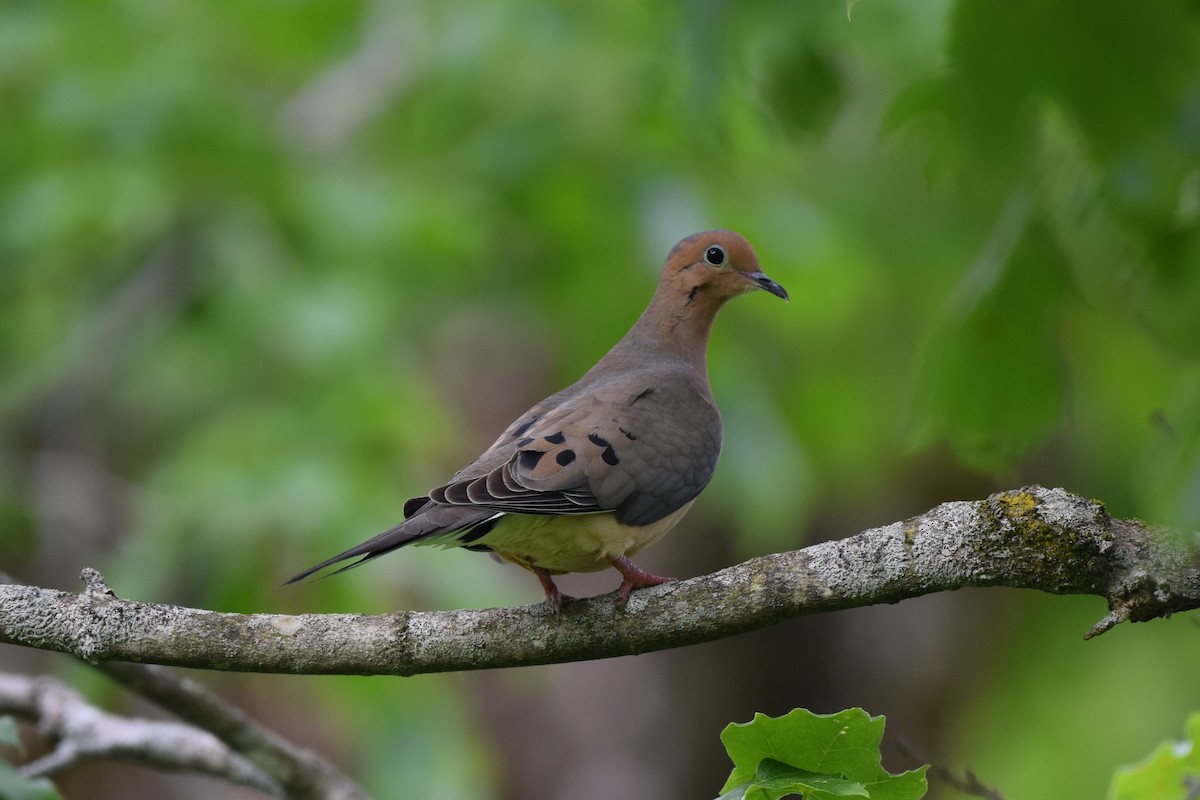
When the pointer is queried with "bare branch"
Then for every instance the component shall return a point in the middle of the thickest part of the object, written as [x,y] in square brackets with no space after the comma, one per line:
[1034,538]
[301,773]
[83,732]
[291,771]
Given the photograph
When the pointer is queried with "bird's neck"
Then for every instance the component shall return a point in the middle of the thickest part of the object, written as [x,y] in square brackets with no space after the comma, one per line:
[675,326]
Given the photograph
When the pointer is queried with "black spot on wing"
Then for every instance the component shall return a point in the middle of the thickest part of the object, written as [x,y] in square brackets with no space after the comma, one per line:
[556,438]
[525,426]
[628,435]
[609,455]
[565,457]
[527,460]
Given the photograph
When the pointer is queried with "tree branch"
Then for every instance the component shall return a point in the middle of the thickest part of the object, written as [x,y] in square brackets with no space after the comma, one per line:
[299,773]
[82,732]
[256,756]
[1033,538]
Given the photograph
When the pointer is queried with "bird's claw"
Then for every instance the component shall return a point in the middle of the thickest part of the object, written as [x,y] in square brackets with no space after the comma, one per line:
[634,578]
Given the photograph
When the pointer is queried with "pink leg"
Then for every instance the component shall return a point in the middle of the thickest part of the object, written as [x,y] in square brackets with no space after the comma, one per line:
[553,596]
[634,578]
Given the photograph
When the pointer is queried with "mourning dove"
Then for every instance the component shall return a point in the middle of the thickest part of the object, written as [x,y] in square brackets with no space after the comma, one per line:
[605,467]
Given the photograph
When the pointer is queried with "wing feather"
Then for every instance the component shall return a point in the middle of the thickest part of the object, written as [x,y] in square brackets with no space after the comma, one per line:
[642,450]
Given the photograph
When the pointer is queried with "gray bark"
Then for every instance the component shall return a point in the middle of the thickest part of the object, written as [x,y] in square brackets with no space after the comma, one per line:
[1035,538]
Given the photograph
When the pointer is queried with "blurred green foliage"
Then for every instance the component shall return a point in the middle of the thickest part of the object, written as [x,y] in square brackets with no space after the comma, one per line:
[267,270]
[12,785]
[1172,772]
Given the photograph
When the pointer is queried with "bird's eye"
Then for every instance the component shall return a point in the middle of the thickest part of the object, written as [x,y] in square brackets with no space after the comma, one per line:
[715,255]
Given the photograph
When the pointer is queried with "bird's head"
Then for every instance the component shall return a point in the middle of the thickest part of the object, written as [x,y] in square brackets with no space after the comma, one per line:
[714,266]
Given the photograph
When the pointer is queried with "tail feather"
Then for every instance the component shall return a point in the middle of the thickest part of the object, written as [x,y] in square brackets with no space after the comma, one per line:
[386,542]
[430,522]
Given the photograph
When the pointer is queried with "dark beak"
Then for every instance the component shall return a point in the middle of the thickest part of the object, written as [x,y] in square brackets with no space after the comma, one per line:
[761,280]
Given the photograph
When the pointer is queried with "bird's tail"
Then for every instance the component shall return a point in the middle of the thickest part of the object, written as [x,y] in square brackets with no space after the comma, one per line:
[385,542]
[426,522]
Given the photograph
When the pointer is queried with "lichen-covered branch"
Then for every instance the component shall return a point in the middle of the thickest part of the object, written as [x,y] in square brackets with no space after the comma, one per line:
[1035,538]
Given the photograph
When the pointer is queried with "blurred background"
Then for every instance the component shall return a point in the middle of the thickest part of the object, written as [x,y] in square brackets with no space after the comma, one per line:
[267,270]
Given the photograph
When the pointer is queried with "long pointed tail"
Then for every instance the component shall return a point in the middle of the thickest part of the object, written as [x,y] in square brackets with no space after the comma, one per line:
[427,521]
[386,542]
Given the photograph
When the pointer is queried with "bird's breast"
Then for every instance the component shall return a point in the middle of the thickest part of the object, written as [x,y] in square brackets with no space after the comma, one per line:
[572,543]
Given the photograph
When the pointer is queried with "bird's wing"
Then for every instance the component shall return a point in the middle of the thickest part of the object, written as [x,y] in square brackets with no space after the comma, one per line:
[641,445]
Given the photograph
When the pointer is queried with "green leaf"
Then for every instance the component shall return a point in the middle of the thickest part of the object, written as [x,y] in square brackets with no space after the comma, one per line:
[15,787]
[904,786]
[1169,773]
[8,732]
[12,785]
[777,776]
[819,756]
[774,780]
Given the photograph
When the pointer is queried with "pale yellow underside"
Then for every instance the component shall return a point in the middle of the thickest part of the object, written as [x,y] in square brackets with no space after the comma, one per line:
[578,543]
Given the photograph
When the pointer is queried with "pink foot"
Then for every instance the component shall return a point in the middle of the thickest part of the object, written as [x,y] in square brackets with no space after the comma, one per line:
[554,597]
[634,578]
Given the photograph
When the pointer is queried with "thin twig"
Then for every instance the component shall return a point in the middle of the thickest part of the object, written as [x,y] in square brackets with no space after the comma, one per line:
[969,784]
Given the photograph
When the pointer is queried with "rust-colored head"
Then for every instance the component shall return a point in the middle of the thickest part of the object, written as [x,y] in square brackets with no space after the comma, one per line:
[720,263]
[701,273]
